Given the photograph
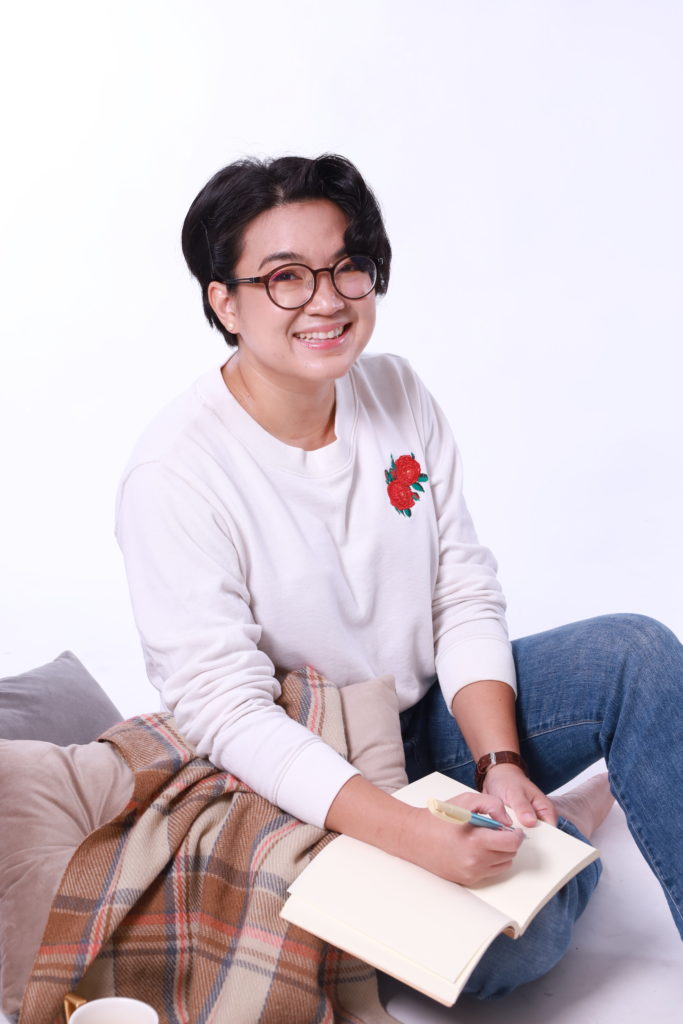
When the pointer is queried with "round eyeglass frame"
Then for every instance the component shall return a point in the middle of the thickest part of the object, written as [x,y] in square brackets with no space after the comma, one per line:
[265,279]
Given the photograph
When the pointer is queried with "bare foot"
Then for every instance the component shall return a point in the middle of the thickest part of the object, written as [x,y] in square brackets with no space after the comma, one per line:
[587,805]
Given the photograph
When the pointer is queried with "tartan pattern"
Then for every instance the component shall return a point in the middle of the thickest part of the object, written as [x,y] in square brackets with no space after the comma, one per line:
[176,901]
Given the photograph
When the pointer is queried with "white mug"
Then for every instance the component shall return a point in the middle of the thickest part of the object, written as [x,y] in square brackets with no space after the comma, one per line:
[114,1010]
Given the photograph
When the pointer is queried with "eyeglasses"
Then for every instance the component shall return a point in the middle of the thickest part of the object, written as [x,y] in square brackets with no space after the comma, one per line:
[293,284]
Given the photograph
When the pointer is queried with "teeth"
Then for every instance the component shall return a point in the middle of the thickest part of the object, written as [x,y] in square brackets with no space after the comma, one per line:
[321,335]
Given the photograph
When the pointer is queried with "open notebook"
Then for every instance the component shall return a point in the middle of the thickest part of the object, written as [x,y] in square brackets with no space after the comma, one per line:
[423,930]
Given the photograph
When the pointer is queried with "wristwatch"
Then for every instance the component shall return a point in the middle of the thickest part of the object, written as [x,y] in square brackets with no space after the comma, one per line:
[495,757]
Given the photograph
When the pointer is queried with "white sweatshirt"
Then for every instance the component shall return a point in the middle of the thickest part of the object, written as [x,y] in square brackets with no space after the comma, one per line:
[246,556]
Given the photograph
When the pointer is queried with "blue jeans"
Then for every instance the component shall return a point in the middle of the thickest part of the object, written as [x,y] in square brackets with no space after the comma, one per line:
[607,687]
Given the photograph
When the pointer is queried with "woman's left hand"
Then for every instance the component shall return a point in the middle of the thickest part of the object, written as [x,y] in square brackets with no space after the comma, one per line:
[510,784]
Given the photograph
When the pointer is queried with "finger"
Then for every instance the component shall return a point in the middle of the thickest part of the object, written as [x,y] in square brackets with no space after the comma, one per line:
[525,810]
[501,865]
[545,809]
[497,868]
[484,803]
[497,843]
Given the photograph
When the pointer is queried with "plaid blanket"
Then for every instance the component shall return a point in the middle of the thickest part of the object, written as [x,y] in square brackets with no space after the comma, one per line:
[176,901]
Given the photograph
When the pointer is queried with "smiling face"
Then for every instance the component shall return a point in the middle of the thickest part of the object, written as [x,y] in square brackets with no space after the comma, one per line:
[299,349]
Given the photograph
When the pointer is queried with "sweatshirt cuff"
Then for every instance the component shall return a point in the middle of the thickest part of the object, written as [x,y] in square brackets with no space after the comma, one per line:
[312,782]
[481,657]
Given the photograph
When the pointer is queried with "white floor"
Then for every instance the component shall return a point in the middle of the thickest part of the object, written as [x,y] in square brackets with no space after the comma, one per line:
[625,966]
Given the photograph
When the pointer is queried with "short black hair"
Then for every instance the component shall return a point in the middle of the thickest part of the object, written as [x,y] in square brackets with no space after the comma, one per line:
[214,227]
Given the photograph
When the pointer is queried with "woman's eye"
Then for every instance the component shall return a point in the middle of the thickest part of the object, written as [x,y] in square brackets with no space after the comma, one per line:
[286,274]
[354,265]
[347,266]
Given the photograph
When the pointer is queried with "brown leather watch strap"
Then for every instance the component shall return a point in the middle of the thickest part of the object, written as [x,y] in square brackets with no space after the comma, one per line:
[495,757]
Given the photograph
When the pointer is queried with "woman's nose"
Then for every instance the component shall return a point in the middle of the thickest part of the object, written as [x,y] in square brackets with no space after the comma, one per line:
[325,298]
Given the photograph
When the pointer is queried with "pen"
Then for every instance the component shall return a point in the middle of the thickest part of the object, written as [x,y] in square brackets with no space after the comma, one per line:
[461,816]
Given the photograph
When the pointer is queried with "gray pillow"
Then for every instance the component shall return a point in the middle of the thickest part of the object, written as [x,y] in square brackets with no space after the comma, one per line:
[59,703]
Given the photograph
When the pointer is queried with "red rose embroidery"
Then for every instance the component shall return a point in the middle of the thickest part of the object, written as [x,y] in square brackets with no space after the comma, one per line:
[407,470]
[404,483]
[400,495]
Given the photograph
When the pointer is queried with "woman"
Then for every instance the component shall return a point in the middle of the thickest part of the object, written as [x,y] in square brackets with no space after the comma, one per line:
[304,505]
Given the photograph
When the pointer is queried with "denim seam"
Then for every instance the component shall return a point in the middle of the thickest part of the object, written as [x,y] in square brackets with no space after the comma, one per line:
[545,731]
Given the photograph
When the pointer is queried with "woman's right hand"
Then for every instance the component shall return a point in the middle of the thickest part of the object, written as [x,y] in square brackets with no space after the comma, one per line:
[461,853]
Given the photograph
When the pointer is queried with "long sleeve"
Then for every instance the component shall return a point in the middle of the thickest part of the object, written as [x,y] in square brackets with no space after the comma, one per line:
[201,648]
[468,607]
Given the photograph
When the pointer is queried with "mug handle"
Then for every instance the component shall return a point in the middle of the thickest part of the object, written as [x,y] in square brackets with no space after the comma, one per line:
[71,1003]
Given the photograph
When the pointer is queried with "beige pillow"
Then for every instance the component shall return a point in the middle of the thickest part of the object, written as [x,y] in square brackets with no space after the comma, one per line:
[51,798]
[373,732]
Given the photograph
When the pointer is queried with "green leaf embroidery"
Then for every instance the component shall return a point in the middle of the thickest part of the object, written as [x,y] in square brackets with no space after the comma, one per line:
[416,486]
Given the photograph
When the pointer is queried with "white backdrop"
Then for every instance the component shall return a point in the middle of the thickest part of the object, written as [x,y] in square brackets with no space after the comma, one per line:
[529,159]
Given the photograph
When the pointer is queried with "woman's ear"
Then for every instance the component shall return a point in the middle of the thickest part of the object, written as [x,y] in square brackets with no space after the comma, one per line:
[222,303]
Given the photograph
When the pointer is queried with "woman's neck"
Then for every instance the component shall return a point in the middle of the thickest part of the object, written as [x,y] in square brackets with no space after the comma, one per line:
[302,419]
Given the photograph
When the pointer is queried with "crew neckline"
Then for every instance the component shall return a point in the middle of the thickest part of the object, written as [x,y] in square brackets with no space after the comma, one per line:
[320,462]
